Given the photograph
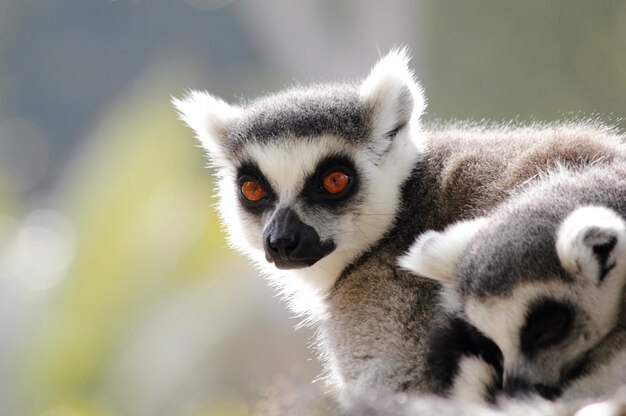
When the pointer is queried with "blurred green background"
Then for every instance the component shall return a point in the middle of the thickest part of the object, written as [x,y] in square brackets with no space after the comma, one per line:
[118,295]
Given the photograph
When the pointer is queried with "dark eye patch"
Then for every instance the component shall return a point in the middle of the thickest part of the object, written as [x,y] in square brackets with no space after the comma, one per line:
[250,172]
[314,191]
[548,323]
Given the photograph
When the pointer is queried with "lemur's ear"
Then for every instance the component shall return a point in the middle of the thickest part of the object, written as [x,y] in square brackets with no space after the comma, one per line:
[591,243]
[392,93]
[210,117]
[436,254]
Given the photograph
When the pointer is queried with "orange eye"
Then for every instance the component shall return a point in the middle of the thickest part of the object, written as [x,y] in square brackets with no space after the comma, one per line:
[252,191]
[335,182]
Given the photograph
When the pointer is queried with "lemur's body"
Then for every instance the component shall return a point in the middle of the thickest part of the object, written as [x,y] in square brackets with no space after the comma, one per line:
[543,277]
[332,183]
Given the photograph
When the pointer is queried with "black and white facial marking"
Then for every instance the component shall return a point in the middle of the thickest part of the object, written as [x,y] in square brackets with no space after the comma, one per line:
[288,241]
[310,178]
[463,362]
[544,324]
[548,324]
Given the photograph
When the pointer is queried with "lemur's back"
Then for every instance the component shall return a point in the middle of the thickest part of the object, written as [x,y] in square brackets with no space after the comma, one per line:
[474,168]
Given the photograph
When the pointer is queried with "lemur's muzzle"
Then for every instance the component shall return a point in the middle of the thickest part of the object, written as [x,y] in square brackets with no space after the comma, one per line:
[291,244]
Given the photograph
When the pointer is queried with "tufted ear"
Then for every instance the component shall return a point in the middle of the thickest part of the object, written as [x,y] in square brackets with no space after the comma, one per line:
[591,243]
[392,93]
[436,254]
[210,117]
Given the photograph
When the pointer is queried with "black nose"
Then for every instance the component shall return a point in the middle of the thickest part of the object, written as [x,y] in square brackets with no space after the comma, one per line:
[291,244]
[281,245]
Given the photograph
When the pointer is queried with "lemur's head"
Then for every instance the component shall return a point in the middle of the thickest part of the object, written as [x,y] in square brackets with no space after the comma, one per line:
[545,288]
[310,177]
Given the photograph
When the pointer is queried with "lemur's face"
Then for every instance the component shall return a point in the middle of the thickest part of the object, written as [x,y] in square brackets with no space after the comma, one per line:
[309,178]
[545,299]
[545,331]
[298,201]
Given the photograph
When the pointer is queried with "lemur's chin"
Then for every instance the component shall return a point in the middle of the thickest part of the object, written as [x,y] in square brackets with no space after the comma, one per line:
[290,265]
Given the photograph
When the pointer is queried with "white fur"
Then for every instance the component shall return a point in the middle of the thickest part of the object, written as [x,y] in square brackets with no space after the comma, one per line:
[575,253]
[386,88]
[606,408]
[450,299]
[209,117]
[435,254]
[473,380]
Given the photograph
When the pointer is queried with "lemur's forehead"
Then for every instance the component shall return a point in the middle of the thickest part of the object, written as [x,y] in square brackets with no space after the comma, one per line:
[506,255]
[288,164]
[301,113]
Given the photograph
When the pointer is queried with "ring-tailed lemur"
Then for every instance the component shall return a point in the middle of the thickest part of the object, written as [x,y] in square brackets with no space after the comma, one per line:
[542,276]
[320,186]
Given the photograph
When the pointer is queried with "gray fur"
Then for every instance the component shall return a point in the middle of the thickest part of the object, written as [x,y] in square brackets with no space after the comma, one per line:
[526,229]
[303,113]
[373,317]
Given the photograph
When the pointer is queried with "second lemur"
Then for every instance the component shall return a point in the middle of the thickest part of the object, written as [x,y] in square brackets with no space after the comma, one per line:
[542,279]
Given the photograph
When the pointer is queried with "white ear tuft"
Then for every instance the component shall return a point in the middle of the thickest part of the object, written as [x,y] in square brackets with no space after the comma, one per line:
[392,92]
[209,117]
[591,242]
[436,254]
